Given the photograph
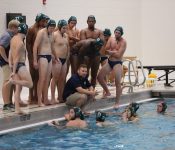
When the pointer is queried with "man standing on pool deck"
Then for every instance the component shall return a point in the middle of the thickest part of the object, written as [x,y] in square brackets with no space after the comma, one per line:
[40,23]
[42,55]
[92,33]
[115,47]
[7,89]
[17,57]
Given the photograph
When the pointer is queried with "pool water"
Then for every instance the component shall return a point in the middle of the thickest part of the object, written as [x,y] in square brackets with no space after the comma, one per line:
[152,132]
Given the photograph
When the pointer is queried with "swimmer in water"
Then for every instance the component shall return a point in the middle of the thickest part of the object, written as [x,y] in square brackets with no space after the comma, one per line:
[161,107]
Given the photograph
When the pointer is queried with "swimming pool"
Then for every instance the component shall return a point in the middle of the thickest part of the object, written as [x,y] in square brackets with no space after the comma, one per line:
[152,132]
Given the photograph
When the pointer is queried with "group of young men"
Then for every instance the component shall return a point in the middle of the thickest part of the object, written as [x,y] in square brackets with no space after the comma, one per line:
[51,49]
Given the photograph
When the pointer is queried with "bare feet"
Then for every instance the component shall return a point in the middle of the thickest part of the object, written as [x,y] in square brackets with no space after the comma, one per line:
[40,104]
[106,95]
[47,102]
[23,104]
[54,101]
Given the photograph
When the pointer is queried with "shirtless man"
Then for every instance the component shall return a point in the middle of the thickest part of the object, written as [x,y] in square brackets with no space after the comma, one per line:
[59,68]
[20,75]
[73,34]
[6,70]
[40,23]
[92,33]
[42,55]
[115,47]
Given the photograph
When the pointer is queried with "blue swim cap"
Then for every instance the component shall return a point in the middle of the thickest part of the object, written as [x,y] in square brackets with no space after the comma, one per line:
[62,23]
[107,32]
[41,16]
[72,18]
[22,28]
[51,23]
[119,29]
[19,18]
[100,116]
[78,113]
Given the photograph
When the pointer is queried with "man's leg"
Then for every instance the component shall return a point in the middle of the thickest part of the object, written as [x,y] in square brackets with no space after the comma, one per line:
[74,63]
[118,75]
[61,82]
[105,70]
[95,62]
[56,68]
[43,66]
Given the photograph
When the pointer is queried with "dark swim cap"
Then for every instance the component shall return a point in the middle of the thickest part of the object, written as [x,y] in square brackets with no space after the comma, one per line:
[100,116]
[107,32]
[119,29]
[51,23]
[19,18]
[91,16]
[41,16]
[99,42]
[22,28]
[62,23]
[72,18]
[78,113]
[135,106]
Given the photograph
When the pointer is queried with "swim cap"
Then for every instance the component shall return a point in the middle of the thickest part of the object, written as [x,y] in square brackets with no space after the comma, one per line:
[72,18]
[91,16]
[119,29]
[107,32]
[135,106]
[78,113]
[19,18]
[100,116]
[41,16]
[99,42]
[22,28]
[62,23]
[51,23]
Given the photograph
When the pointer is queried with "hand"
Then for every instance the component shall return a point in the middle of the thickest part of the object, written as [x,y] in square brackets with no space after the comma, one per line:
[12,75]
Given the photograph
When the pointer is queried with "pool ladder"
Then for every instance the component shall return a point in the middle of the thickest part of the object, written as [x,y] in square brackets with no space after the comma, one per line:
[133,68]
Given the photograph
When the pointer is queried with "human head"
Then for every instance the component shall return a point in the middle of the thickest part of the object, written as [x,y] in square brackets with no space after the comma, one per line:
[82,70]
[107,33]
[129,112]
[51,25]
[62,26]
[72,21]
[134,106]
[76,113]
[161,107]
[91,21]
[19,18]
[41,19]
[13,26]
[22,28]
[118,32]
[98,43]
[100,116]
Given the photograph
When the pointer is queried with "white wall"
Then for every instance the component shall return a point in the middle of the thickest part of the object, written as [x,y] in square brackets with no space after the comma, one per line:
[148,24]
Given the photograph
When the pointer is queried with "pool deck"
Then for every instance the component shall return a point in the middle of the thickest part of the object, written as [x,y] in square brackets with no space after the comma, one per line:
[35,114]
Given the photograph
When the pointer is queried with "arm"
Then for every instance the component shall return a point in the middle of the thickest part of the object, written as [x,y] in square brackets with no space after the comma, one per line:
[3,54]
[29,45]
[85,91]
[35,48]
[10,60]
[101,36]
[82,35]
[53,49]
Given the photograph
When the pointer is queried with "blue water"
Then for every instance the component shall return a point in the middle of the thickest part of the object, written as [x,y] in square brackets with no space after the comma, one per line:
[152,132]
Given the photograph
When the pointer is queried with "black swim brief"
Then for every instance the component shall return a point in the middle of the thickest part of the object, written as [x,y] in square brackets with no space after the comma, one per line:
[19,65]
[48,57]
[113,63]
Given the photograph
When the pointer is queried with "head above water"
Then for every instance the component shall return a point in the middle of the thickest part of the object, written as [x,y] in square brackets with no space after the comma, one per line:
[100,116]
[22,28]
[77,113]
[161,107]
[119,29]
[134,106]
